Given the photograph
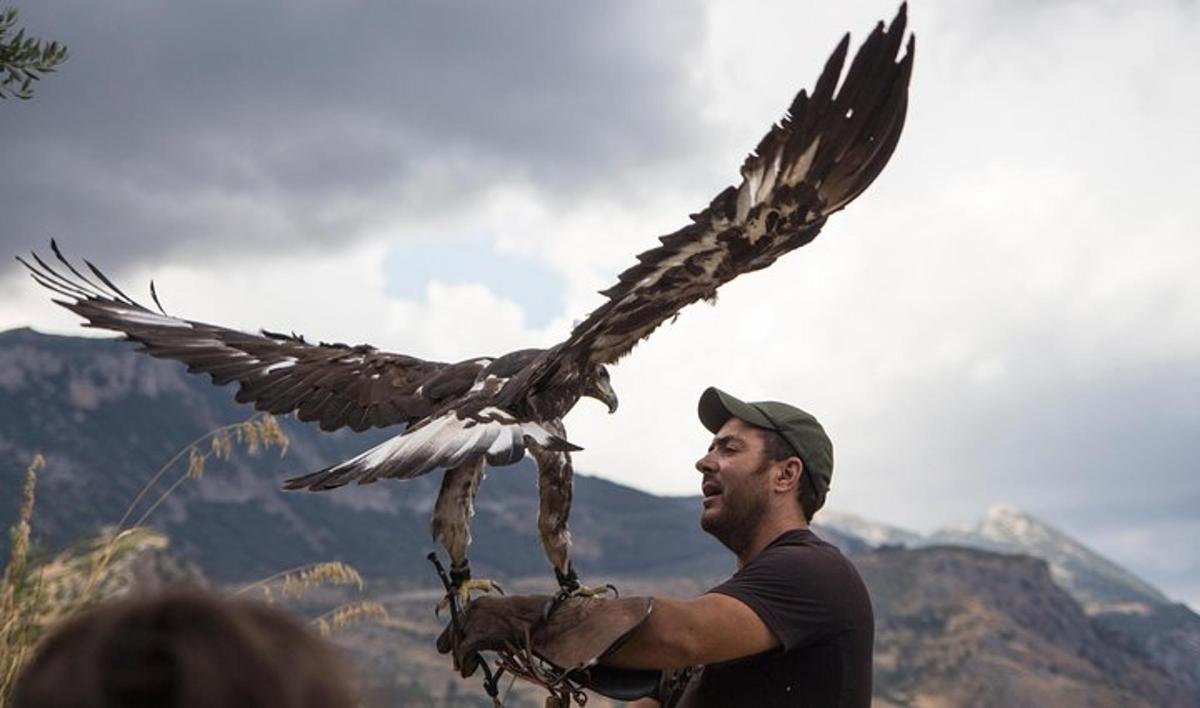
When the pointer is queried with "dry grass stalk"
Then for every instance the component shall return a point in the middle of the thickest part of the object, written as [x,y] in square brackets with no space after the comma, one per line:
[349,614]
[19,554]
[295,581]
[260,431]
[195,468]
[220,446]
[333,573]
[22,595]
[67,577]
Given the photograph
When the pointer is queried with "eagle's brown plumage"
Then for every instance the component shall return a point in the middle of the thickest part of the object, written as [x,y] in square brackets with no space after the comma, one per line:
[829,148]
[823,154]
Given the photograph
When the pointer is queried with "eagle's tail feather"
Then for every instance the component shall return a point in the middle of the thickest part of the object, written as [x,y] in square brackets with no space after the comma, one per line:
[314,480]
[558,444]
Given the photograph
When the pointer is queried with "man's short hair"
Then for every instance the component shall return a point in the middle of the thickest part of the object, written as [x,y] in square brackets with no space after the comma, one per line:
[775,449]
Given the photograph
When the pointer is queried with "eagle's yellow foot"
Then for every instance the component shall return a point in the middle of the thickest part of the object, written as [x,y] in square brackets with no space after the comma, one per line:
[569,586]
[461,586]
[585,591]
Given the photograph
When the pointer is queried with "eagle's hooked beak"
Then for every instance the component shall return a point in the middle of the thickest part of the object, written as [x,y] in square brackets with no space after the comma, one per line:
[603,391]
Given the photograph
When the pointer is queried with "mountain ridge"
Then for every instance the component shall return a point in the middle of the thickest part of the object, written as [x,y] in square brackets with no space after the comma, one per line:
[1089,576]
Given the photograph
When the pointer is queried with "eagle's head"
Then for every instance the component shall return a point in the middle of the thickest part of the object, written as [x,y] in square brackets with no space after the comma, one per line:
[597,386]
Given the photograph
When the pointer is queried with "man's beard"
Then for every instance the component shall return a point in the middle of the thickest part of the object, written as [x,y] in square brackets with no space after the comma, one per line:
[740,515]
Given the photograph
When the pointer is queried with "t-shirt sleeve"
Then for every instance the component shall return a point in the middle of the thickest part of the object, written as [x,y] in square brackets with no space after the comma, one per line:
[799,594]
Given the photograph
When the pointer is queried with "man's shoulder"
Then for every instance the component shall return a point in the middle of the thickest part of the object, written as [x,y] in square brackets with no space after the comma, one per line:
[796,561]
[800,545]
[799,563]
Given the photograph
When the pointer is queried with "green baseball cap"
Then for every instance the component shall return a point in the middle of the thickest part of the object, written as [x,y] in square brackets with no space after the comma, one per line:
[800,429]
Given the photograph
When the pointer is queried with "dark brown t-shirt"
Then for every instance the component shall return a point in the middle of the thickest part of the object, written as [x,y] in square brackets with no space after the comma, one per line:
[814,601]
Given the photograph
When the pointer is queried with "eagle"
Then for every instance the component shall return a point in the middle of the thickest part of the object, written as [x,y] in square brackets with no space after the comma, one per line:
[462,417]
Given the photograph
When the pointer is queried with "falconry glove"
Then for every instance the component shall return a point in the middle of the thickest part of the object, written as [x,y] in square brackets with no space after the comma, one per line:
[569,643]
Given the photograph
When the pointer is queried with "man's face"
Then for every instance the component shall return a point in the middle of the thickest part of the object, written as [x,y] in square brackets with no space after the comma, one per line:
[735,484]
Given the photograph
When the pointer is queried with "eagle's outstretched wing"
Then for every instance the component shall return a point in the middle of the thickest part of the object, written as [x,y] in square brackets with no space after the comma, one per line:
[335,384]
[823,154]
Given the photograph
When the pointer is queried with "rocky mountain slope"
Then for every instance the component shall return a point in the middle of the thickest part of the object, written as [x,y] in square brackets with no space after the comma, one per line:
[1090,577]
[1117,601]
[964,627]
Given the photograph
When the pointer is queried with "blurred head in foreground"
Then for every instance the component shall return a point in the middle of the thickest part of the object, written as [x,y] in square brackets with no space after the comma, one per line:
[184,650]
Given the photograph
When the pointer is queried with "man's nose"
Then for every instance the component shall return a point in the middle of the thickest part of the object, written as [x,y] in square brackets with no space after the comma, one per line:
[705,464]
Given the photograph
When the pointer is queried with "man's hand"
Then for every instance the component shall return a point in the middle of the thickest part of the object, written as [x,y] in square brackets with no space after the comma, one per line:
[579,632]
[491,624]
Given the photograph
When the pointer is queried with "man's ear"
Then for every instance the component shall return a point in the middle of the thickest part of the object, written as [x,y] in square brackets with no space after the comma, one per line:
[787,475]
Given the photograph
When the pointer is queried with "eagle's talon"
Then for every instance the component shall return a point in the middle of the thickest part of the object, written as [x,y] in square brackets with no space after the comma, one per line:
[575,589]
[569,585]
[585,591]
[462,592]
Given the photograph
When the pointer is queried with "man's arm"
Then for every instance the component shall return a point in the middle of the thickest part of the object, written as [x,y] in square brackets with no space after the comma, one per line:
[675,634]
[706,630]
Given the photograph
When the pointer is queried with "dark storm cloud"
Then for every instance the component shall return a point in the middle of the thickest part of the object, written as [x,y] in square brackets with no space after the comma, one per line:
[1112,457]
[1069,441]
[185,127]
[1086,450]
[1106,453]
[1096,454]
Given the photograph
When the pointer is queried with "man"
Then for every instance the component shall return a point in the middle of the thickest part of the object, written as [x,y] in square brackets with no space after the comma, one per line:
[792,627]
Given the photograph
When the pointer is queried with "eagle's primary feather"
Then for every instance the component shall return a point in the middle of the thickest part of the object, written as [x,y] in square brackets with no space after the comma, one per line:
[828,148]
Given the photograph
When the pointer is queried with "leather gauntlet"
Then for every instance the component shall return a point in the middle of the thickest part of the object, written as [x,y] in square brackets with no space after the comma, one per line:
[576,636]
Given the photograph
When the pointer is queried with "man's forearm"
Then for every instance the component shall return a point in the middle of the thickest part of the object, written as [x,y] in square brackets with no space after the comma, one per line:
[665,634]
[704,630]
[661,642]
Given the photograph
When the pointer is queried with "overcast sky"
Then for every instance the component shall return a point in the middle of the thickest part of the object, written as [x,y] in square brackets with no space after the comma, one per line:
[1010,314]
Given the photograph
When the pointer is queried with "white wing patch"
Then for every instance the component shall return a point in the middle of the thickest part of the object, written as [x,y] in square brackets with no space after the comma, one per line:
[759,182]
[491,382]
[705,243]
[444,442]
[757,185]
[799,169]
[146,317]
[285,364]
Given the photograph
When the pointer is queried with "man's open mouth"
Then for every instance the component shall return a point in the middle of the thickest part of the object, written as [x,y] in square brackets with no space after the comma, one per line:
[710,490]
